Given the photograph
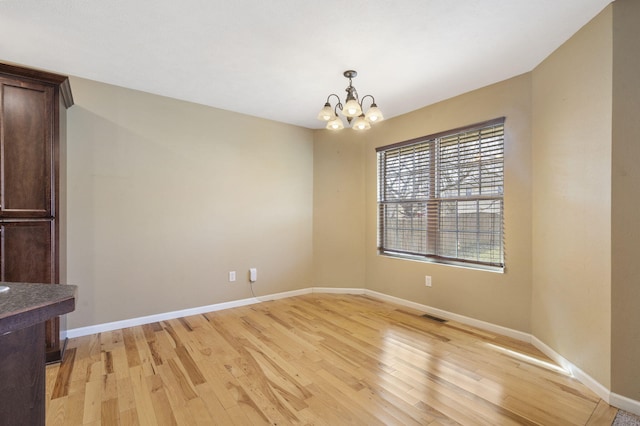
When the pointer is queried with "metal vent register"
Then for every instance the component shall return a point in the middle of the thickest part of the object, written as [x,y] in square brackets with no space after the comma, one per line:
[436,319]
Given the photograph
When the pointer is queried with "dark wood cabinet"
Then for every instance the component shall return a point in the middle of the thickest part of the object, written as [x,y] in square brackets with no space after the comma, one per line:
[32,130]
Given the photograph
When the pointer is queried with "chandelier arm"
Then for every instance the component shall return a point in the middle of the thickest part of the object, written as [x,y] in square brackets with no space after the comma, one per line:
[373,100]
[333,94]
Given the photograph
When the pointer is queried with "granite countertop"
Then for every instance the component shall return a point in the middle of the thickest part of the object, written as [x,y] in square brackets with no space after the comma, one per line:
[26,304]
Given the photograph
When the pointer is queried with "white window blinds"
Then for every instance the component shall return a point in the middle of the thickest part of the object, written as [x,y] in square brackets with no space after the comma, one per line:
[440,197]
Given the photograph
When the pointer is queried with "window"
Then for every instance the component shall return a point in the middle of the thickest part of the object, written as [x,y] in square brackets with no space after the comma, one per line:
[440,197]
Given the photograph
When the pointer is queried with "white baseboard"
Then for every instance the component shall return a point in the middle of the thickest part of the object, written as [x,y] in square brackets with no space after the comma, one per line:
[611,398]
[515,334]
[619,401]
[339,290]
[576,372]
[277,296]
[116,325]
[627,404]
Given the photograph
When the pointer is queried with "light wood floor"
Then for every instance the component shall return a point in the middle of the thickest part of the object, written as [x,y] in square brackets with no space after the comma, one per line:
[315,360]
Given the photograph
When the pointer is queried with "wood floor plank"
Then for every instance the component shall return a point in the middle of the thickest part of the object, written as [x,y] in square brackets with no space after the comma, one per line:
[142,396]
[74,406]
[126,398]
[198,413]
[92,402]
[129,418]
[603,415]
[163,411]
[55,411]
[218,413]
[119,362]
[220,381]
[315,359]
[364,397]
[63,378]
[175,376]
[109,412]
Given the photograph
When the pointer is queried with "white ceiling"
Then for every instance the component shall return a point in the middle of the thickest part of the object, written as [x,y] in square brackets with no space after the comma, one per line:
[279,59]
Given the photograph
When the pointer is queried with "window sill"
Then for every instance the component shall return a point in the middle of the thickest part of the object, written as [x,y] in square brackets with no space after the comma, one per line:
[465,265]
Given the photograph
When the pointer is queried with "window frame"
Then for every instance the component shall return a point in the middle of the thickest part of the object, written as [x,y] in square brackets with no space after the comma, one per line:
[430,169]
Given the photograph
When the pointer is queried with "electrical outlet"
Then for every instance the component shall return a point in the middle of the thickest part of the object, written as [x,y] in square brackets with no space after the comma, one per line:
[427,280]
[232,276]
[253,275]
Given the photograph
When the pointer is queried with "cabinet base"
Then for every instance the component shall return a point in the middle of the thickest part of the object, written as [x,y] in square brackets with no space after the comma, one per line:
[54,357]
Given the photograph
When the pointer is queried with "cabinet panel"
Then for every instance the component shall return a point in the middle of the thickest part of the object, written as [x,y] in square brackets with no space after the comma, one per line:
[26,151]
[27,251]
[27,255]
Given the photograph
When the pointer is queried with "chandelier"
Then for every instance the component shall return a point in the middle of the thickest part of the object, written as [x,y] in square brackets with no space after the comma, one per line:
[352,109]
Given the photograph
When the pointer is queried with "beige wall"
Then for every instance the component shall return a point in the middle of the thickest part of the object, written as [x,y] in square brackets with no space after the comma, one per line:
[345,177]
[625,212]
[339,209]
[571,304]
[165,197]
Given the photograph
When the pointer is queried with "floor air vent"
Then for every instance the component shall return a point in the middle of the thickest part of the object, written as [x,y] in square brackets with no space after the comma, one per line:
[431,317]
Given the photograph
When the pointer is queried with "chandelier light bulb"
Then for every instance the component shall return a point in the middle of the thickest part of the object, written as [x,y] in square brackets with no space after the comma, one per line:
[335,124]
[374,114]
[326,113]
[352,109]
[360,123]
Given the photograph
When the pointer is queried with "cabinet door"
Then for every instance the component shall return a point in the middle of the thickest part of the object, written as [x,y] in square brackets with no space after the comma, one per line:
[26,139]
[27,254]
[27,251]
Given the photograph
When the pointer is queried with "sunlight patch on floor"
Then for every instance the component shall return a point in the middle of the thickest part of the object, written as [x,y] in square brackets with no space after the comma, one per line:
[531,360]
